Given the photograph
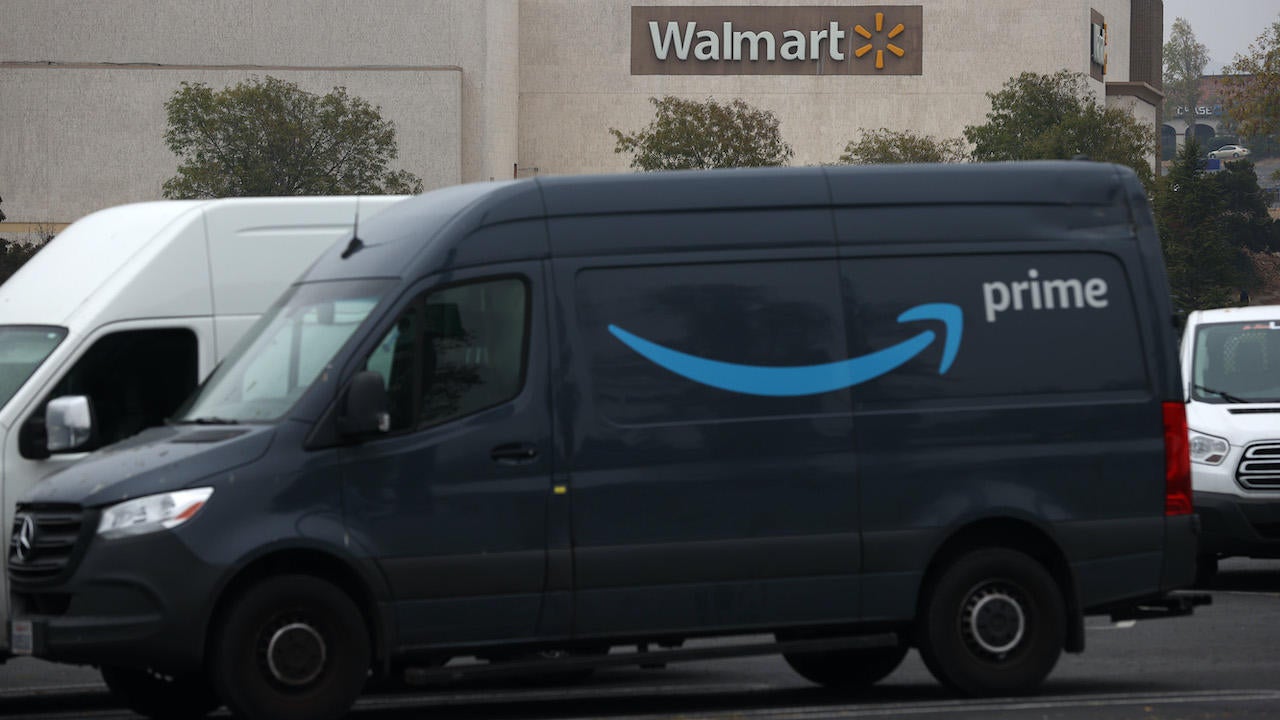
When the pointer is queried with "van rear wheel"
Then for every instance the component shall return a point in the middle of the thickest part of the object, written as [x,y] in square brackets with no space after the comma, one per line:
[994,623]
[157,695]
[853,669]
[292,647]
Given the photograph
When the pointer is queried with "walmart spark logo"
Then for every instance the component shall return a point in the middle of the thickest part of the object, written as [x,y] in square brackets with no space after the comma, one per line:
[868,47]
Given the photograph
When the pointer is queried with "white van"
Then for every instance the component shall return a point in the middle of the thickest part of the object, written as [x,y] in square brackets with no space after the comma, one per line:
[132,307]
[1231,373]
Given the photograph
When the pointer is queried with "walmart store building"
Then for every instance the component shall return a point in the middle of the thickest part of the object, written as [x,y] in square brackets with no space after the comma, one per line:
[491,89]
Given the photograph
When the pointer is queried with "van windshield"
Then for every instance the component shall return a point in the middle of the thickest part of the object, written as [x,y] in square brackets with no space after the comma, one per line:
[22,349]
[284,352]
[1237,362]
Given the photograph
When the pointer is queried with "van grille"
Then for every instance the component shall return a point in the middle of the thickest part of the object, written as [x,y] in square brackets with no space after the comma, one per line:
[48,545]
[1260,467]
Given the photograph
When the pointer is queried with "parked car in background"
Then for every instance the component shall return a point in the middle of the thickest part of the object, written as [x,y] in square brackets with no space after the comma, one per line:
[1230,152]
[1231,369]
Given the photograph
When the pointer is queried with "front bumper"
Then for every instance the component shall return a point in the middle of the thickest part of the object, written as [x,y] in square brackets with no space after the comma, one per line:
[1232,525]
[135,602]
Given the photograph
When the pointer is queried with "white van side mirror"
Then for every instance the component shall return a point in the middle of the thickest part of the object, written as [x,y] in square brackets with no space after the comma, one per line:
[68,422]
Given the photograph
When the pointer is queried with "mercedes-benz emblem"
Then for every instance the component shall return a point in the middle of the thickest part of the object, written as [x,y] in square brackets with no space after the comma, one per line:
[26,538]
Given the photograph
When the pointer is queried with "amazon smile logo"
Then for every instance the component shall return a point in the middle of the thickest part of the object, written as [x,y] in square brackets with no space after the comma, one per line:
[808,379]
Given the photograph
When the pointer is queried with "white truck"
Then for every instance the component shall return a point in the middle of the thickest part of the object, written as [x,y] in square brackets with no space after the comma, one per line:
[1231,373]
[133,306]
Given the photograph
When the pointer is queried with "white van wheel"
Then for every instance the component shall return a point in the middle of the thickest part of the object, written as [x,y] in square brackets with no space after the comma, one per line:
[994,622]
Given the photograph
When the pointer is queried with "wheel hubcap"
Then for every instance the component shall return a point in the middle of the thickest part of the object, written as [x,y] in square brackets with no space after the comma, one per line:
[296,654]
[994,620]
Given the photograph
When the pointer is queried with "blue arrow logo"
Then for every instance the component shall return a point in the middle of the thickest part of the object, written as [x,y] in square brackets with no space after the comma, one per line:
[807,379]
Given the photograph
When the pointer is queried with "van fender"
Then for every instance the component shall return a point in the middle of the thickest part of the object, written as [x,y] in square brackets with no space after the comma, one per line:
[1015,529]
[330,557]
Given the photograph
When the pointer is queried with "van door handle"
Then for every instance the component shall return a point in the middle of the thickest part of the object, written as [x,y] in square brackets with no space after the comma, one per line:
[514,453]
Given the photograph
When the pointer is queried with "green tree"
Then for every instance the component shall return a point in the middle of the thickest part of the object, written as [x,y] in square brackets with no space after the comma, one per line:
[687,134]
[894,146]
[1244,212]
[1202,265]
[1043,117]
[14,255]
[270,137]
[1252,93]
[1184,61]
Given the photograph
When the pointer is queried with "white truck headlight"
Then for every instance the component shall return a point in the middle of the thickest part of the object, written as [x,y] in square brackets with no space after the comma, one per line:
[1208,449]
[151,513]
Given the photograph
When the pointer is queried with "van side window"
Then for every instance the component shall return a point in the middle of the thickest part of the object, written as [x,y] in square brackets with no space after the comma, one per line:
[135,379]
[396,359]
[454,352]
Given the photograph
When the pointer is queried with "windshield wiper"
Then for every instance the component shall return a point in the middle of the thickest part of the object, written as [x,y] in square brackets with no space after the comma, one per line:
[1225,396]
[207,421]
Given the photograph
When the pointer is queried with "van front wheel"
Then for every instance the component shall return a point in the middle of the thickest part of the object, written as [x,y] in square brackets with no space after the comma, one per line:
[291,647]
[855,669]
[993,623]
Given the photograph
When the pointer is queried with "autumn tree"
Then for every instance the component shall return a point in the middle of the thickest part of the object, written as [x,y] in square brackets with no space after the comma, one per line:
[902,146]
[687,134]
[1184,61]
[271,137]
[1044,117]
[1252,92]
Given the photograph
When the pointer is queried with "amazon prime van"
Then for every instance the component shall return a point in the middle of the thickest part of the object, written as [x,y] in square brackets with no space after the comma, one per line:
[128,309]
[1231,366]
[578,422]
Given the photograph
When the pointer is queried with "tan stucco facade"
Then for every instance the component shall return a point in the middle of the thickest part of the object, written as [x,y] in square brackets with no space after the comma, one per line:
[478,89]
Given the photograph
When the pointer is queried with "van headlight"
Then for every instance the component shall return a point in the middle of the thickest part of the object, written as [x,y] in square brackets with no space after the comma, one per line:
[1208,449]
[151,513]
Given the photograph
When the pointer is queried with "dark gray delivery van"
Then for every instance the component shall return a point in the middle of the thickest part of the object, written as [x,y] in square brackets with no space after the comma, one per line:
[578,422]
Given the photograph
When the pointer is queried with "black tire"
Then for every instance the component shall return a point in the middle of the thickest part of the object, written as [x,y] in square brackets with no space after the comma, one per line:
[993,623]
[853,669]
[156,695]
[292,647]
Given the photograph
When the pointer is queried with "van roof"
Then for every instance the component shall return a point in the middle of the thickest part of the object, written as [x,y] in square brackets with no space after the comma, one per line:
[1251,313]
[83,257]
[425,234]
[155,259]
[1040,183]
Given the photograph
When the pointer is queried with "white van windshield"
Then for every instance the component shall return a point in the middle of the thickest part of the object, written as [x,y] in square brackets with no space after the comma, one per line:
[1237,362]
[284,352]
[22,349]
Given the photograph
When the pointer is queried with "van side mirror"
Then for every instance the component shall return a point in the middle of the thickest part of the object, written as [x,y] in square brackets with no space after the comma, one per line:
[33,441]
[68,423]
[364,409]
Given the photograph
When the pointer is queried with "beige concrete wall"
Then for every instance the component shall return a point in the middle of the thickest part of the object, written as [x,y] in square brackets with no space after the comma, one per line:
[322,41]
[85,139]
[576,82]
[1144,112]
[474,86]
